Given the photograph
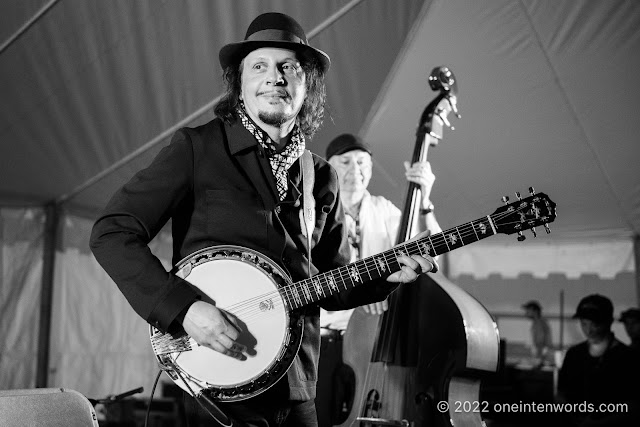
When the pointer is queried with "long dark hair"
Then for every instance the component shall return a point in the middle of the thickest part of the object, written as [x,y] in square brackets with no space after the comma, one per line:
[311,114]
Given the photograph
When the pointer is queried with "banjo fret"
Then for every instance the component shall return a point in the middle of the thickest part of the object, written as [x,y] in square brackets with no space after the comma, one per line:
[307,293]
[318,287]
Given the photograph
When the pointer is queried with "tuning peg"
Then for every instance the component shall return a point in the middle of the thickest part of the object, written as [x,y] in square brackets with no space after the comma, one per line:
[453,101]
[444,118]
[518,195]
[532,191]
[521,236]
[505,199]
[533,230]
[546,227]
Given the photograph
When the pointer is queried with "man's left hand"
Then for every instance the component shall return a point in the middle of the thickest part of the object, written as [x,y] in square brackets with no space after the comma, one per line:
[421,174]
[411,267]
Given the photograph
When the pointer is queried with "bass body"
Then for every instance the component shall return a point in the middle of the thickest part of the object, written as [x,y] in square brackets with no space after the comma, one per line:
[456,343]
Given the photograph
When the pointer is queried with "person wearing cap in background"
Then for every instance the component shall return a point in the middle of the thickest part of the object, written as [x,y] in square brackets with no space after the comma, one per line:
[236,180]
[372,223]
[600,370]
[541,341]
[631,320]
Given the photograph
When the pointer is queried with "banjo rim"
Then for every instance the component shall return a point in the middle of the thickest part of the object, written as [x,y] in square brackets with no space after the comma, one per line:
[273,371]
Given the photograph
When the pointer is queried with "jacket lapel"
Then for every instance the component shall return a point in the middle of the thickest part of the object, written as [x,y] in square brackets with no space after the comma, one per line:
[253,161]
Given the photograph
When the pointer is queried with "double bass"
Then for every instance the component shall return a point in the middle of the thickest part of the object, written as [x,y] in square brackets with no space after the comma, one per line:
[418,362]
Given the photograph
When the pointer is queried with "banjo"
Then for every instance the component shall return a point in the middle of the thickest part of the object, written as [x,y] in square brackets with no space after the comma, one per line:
[264,301]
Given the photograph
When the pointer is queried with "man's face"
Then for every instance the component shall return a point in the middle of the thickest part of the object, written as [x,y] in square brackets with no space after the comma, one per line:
[354,170]
[273,86]
[632,327]
[593,329]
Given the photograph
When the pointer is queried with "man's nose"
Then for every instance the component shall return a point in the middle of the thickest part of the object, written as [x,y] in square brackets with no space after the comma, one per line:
[275,76]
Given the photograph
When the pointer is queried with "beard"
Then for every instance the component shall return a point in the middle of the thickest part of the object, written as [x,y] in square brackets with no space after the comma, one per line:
[276,119]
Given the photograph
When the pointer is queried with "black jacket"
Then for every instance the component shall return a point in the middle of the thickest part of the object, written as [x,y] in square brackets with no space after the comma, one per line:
[215,184]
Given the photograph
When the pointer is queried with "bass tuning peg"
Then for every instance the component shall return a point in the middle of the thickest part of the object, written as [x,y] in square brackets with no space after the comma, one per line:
[443,117]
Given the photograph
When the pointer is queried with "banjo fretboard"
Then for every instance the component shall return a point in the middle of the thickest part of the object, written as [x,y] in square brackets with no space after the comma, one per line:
[381,265]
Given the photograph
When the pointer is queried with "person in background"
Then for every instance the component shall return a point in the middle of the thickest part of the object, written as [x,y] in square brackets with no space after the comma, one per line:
[372,224]
[599,370]
[372,221]
[631,320]
[237,180]
[541,340]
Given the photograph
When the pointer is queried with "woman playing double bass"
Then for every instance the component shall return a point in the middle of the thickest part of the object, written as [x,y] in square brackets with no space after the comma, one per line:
[373,223]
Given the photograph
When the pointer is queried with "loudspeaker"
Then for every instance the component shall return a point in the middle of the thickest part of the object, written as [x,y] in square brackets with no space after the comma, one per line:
[47,407]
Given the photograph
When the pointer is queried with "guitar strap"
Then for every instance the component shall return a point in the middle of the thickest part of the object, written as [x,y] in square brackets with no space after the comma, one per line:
[308,210]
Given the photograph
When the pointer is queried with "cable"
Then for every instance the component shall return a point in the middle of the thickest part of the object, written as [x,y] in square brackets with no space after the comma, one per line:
[211,408]
[153,390]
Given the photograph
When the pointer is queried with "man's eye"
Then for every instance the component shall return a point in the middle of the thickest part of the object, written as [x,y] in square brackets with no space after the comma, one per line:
[290,68]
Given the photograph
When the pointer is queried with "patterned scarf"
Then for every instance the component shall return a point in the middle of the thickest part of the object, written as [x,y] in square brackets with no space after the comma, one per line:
[280,162]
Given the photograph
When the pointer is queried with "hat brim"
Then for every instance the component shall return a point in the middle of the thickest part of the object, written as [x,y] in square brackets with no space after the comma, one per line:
[593,315]
[233,53]
[351,148]
[629,316]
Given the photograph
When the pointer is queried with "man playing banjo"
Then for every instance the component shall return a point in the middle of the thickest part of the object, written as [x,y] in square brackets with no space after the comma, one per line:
[238,180]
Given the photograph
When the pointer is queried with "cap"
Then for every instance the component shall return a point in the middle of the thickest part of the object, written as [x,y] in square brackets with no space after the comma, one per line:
[632,313]
[532,304]
[595,307]
[346,142]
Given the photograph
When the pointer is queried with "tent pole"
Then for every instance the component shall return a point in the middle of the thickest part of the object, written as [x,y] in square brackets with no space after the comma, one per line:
[636,254]
[46,294]
[44,9]
[334,17]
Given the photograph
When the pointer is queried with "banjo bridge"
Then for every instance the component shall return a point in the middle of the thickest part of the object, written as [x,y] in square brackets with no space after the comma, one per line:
[266,305]
[163,343]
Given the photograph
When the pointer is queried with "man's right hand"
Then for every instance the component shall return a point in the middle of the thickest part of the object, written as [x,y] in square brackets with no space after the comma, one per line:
[376,308]
[209,327]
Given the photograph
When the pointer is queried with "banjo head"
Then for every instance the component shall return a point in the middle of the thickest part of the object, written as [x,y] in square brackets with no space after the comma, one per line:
[248,287]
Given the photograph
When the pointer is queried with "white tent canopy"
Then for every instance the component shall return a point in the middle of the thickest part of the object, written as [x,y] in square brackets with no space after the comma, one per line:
[91,90]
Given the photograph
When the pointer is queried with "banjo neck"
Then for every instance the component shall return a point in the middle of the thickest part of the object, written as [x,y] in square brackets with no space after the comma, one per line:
[521,215]
[382,265]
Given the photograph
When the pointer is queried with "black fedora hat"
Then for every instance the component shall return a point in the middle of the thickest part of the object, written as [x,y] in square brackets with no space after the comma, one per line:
[272,30]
